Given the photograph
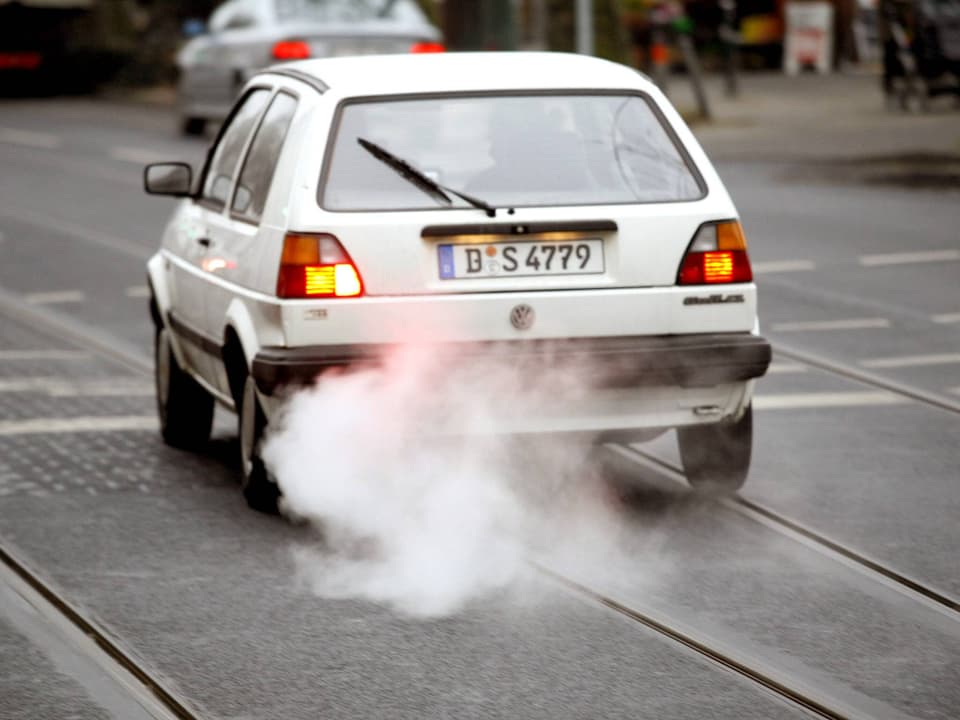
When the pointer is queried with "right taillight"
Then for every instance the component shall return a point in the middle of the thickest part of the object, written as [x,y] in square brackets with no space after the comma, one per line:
[291,50]
[428,47]
[717,254]
[316,266]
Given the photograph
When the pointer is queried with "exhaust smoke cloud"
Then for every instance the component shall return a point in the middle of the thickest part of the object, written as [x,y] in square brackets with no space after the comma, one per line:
[422,500]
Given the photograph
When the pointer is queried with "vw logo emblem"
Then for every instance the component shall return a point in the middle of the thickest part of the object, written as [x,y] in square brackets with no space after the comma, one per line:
[522,316]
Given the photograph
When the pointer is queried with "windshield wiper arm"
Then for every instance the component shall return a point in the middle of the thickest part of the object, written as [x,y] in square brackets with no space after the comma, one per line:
[419,179]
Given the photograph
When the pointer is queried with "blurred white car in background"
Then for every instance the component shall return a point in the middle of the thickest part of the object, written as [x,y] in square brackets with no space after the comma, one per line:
[540,210]
[247,35]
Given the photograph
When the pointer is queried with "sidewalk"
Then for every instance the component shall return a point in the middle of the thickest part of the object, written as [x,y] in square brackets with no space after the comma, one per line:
[810,118]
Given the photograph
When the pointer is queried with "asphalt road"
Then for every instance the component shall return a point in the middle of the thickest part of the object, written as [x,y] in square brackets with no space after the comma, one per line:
[157,547]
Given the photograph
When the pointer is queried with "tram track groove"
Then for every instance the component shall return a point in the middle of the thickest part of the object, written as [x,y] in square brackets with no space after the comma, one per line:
[780,687]
[100,343]
[148,683]
[788,688]
[864,377]
[930,597]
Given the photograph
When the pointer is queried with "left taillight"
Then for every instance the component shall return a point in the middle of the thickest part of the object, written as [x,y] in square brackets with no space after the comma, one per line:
[428,47]
[717,254]
[291,50]
[316,266]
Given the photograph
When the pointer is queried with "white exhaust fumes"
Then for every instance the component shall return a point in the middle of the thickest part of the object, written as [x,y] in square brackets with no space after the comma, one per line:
[423,504]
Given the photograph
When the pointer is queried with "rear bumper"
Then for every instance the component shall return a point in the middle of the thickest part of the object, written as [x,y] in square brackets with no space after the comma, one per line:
[688,361]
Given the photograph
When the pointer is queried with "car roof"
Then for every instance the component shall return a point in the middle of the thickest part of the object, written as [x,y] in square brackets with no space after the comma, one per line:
[467,72]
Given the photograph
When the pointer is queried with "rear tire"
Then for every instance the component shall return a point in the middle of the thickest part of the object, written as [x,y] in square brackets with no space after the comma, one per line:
[184,407]
[716,457]
[259,489]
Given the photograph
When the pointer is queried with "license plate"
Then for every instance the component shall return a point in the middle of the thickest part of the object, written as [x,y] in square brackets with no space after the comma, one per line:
[520,259]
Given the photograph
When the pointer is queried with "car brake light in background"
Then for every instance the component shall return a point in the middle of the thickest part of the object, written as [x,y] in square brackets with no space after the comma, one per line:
[315,266]
[20,60]
[428,47]
[717,254]
[291,50]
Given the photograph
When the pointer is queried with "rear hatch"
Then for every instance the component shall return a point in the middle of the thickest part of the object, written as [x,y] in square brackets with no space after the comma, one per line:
[574,248]
[523,191]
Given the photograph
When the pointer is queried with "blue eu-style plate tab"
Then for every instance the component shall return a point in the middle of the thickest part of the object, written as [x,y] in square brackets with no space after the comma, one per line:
[445,256]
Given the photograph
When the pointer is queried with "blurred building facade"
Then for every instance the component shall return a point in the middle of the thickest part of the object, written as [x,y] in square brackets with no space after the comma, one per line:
[134,42]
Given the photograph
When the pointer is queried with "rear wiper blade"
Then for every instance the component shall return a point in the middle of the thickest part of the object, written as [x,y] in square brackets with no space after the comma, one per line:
[419,179]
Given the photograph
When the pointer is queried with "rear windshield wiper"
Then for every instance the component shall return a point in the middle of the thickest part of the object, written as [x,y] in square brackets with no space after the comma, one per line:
[418,178]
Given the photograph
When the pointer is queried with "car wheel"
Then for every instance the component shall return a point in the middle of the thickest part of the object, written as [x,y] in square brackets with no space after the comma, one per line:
[716,457]
[194,126]
[184,407]
[259,489]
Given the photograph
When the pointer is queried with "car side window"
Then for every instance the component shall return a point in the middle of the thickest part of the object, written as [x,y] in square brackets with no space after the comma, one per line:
[251,194]
[226,155]
[237,15]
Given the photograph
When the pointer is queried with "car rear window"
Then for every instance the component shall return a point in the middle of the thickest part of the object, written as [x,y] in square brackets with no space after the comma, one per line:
[508,150]
[346,11]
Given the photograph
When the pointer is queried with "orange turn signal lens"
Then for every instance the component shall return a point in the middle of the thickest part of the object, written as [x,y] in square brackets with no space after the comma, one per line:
[730,236]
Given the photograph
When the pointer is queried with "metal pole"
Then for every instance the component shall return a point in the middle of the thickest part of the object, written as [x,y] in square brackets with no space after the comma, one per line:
[538,22]
[692,63]
[585,27]
[731,42]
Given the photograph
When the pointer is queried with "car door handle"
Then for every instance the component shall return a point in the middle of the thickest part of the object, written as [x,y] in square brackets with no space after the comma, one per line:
[205,241]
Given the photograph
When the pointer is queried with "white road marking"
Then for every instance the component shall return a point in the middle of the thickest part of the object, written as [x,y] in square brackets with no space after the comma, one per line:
[824,400]
[109,423]
[29,138]
[137,155]
[851,324]
[946,318]
[906,258]
[67,387]
[954,390]
[56,297]
[108,241]
[912,360]
[43,355]
[776,266]
[137,291]
[785,367]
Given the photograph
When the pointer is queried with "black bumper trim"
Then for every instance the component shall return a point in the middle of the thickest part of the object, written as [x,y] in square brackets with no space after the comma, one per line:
[673,360]
[519,228]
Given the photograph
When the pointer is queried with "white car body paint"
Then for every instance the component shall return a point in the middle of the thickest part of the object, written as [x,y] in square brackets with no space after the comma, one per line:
[231,282]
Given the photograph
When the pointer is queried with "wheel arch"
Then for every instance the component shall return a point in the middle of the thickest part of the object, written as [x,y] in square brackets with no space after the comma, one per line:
[159,292]
[240,345]
[160,302]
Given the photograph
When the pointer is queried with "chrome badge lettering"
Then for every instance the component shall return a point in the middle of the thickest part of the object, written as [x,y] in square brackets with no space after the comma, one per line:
[716,299]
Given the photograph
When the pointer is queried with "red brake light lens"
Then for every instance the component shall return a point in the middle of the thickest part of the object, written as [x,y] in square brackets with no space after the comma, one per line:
[20,60]
[316,266]
[291,50]
[428,47]
[717,254]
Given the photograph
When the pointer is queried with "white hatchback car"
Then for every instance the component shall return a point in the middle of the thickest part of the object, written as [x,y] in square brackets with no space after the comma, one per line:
[549,206]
